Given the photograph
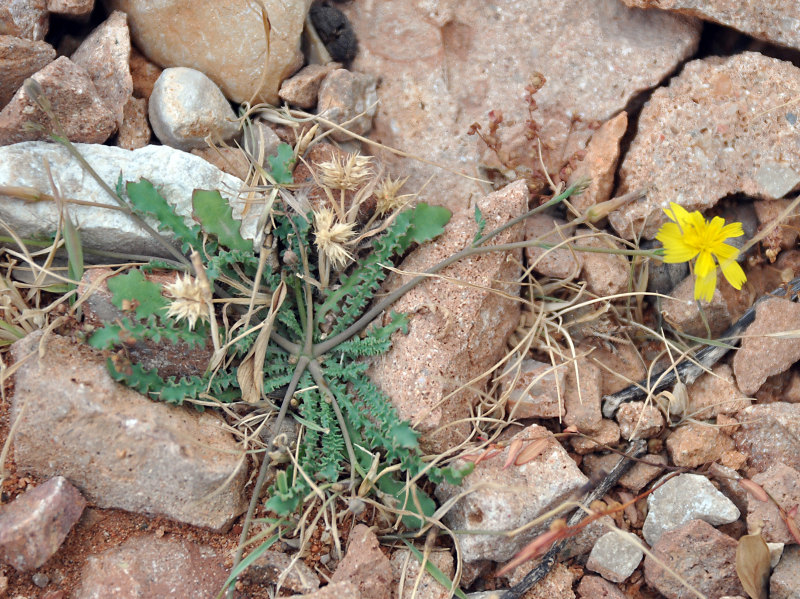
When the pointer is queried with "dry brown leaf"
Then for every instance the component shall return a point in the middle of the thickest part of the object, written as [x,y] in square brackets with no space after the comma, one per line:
[531,451]
[752,565]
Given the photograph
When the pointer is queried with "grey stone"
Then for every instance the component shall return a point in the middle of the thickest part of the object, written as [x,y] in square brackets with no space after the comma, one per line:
[119,448]
[174,173]
[615,555]
[681,499]
[186,107]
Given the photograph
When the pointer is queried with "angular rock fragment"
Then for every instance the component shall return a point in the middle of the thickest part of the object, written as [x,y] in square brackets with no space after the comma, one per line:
[349,99]
[785,579]
[696,443]
[302,88]
[70,8]
[20,58]
[769,432]
[536,390]
[615,556]
[365,565]
[24,18]
[405,564]
[783,485]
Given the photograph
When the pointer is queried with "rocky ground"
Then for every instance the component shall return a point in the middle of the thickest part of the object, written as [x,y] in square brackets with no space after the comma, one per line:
[512,359]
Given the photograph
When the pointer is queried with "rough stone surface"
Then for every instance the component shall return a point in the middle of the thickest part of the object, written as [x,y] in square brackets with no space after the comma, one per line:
[34,525]
[406,568]
[344,96]
[75,101]
[582,396]
[24,18]
[638,420]
[712,133]
[232,49]
[606,434]
[20,58]
[176,174]
[513,497]
[605,274]
[446,65]
[600,163]
[104,55]
[695,444]
[227,159]
[270,566]
[615,556]
[134,132]
[681,499]
[761,356]
[767,431]
[620,365]
[144,74]
[784,235]
[774,21]
[536,390]
[783,484]
[365,565]
[146,566]
[456,333]
[335,590]
[595,587]
[559,263]
[715,393]
[186,107]
[682,312]
[785,580]
[700,555]
[119,448]
[70,8]
[302,88]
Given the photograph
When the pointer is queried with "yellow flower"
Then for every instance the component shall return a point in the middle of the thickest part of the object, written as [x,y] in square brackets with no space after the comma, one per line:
[689,235]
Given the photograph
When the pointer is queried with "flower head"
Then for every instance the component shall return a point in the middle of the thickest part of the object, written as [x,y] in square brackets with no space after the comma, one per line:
[689,235]
[188,300]
[332,237]
[346,173]
[387,195]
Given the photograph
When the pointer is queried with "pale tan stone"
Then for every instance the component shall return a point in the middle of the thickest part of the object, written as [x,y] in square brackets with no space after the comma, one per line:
[605,274]
[607,434]
[561,262]
[134,132]
[301,89]
[638,420]
[681,311]
[70,8]
[20,58]
[695,444]
[582,396]
[537,390]
[715,393]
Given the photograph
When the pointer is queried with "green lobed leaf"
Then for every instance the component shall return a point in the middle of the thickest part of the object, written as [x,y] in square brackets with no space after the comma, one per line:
[481,220]
[427,222]
[145,198]
[216,217]
[133,287]
[281,164]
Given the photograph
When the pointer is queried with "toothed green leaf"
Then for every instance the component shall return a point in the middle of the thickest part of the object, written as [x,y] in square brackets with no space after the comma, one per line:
[144,295]
[216,217]
[281,164]
[145,198]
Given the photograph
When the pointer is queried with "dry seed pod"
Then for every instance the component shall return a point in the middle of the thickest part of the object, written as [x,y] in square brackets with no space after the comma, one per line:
[532,451]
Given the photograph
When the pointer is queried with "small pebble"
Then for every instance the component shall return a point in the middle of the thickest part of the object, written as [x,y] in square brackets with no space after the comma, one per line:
[40,579]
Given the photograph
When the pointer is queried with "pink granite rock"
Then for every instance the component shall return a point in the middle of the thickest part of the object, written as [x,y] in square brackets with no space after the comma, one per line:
[605,274]
[20,58]
[134,132]
[769,433]
[445,66]
[639,421]
[365,565]
[595,587]
[715,393]
[560,262]
[147,566]
[301,89]
[713,132]
[34,525]
[70,8]
[143,73]
[75,101]
[557,583]
[785,579]
[784,234]
[783,484]
[700,555]
[456,333]
[682,312]
[537,389]
[695,444]
[582,396]
[606,435]
[104,55]
[600,163]
[505,499]
[620,365]
[774,21]
[761,355]
[24,18]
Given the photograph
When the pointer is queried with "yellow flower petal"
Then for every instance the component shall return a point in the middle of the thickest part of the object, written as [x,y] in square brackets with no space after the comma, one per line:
[675,248]
[725,252]
[705,265]
[732,230]
[733,272]
[704,286]
[677,213]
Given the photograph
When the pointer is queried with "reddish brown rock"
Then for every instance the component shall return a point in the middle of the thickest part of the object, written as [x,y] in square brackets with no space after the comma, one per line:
[639,421]
[348,99]
[701,556]
[271,565]
[536,391]
[761,355]
[582,396]
[620,365]
[445,67]
[70,8]
[74,99]
[595,587]
[143,73]
[20,58]
[768,433]
[713,132]
[35,524]
[681,310]
[695,444]
[607,434]
[636,479]
[600,163]
[605,274]
[104,55]
[557,583]
[365,565]
[147,566]
[134,132]
[301,89]
[456,333]
[783,485]
[24,18]
[561,262]
[774,21]
[785,579]
[715,393]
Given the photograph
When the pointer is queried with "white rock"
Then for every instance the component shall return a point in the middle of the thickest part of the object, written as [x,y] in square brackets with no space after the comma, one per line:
[186,107]
[176,174]
[683,498]
[615,556]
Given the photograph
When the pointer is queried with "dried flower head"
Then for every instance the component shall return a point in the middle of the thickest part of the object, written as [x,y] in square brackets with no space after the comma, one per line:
[332,237]
[387,195]
[188,300]
[689,235]
[349,172]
